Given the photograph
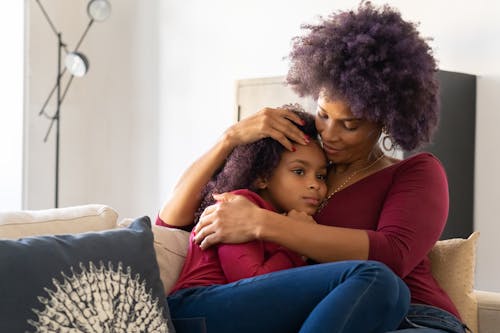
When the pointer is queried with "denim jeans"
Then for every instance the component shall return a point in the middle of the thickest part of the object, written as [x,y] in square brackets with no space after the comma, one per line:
[349,296]
[423,318]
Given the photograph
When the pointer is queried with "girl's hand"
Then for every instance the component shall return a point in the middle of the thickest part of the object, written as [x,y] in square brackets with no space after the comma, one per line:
[233,219]
[268,122]
[301,216]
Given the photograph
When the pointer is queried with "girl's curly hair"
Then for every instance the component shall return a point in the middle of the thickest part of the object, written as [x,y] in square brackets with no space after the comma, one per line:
[247,163]
[375,61]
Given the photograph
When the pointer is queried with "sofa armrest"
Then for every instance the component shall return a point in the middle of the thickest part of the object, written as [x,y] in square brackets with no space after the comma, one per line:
[67,220]
[488,304]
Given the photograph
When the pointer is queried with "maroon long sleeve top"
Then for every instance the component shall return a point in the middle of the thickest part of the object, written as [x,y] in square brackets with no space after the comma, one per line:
[404,209]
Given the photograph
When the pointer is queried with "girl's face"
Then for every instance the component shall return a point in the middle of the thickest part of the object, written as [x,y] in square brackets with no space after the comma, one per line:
[346,139]
[299,180]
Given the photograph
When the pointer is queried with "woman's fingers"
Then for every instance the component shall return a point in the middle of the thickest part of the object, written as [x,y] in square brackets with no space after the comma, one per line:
[204,232]
[205,218]
[224,197]
[282,129]
[228,221]
[209,240]
[275,123]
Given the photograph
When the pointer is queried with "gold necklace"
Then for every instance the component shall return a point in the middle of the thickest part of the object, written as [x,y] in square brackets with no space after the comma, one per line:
[346,181]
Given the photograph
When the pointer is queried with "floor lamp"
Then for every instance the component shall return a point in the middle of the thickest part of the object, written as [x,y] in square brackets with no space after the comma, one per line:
[77,64]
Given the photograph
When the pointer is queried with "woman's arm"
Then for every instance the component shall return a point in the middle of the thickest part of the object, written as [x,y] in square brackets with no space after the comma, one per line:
[236,220]
[276,123]
[413,215]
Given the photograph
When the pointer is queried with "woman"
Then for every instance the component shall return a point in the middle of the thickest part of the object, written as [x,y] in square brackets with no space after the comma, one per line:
[373,76]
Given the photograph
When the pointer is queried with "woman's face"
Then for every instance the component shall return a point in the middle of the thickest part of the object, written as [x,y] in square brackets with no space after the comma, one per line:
[346,138]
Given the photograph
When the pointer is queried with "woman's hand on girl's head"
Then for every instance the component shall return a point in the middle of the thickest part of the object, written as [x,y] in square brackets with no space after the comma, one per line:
[268,122]
[233,219]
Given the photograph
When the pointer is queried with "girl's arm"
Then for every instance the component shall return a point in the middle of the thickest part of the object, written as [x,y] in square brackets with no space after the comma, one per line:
[179,210]
[250,259]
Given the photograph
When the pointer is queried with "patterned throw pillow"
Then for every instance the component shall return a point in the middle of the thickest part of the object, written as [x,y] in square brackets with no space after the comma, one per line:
[104,281]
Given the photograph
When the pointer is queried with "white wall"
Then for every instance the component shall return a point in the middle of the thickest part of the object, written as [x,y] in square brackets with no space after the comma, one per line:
[109,121]
[206,46]
[11,105]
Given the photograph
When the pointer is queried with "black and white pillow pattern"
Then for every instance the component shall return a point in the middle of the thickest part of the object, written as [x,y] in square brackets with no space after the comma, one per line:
[92,282]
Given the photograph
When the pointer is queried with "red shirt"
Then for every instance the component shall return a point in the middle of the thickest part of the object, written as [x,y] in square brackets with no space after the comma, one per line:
[225,263]
[404,207]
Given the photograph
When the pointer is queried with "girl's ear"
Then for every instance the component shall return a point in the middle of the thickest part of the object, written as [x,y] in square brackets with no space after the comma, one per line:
[260,183]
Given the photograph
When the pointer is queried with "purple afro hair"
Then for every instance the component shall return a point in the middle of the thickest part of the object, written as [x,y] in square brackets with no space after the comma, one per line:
[375,61]
[247,163]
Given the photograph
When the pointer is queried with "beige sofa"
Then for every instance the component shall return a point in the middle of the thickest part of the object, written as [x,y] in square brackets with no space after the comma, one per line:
[452,260]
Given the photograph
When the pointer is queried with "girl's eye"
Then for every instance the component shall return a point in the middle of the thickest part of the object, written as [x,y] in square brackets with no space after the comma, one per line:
[299,172]
[321,177]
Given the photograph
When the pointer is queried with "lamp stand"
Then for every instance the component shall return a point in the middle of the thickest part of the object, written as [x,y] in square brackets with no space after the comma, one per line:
[77,65]
[57,117]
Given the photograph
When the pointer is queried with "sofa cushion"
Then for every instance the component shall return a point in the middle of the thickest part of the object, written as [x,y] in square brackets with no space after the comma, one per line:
[453,263]
[68,220]
[95,281]
[171,247]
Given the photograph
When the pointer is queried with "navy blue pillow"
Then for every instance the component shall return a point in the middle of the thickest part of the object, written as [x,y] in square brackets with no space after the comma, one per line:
[89,282]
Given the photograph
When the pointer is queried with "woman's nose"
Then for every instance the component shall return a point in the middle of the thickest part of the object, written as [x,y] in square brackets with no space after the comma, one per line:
[330,132]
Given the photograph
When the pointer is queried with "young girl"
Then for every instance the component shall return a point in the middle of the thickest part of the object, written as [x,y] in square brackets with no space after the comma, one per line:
[272,178]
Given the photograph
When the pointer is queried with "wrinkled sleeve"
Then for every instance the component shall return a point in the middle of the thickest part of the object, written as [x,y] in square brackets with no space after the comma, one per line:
[162,223]
[250,259]
[413,216]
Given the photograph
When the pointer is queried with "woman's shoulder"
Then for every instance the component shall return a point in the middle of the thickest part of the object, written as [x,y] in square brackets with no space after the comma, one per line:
[423,166]
[422,159]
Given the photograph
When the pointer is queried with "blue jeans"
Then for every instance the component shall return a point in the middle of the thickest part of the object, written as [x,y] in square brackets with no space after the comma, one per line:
[349,296]
[423,318]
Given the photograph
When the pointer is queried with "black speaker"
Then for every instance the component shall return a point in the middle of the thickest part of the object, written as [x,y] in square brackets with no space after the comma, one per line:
[453,144]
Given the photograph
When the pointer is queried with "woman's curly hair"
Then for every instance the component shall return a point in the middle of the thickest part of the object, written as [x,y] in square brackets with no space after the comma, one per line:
[376,62]
[247,163]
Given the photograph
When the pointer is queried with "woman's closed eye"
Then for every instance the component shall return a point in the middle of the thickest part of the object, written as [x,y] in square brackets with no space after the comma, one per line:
[321,114]
[351,125]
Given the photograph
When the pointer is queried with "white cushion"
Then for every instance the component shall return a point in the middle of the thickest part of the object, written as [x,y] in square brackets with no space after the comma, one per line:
[68,220]
[171,246]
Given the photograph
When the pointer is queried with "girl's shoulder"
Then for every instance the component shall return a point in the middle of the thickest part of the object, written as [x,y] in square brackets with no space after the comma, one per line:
[254,197]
